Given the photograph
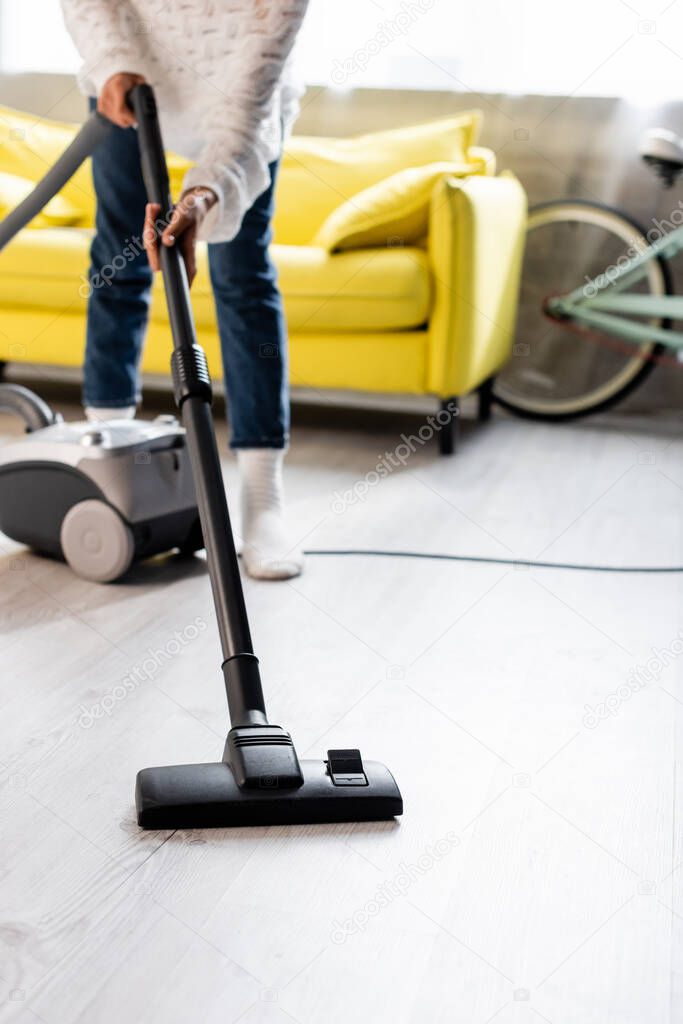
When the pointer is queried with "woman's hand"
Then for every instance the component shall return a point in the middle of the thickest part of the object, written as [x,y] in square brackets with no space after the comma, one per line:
[112,100]
[186,219]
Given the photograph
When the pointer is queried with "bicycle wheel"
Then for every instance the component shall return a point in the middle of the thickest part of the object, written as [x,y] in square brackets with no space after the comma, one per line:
[559,370]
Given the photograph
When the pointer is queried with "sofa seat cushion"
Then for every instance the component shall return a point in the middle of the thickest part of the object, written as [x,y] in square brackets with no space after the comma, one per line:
[369,290]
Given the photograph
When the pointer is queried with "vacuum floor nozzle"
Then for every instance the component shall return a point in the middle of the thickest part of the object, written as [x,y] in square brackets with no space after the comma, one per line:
[207,796]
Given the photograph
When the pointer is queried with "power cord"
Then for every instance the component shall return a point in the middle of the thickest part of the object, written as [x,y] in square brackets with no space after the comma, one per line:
[514,562]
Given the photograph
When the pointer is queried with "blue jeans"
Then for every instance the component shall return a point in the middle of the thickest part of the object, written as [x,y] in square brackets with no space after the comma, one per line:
[249,311]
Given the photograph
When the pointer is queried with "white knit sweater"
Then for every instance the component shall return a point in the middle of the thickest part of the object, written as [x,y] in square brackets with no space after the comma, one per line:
[221,71]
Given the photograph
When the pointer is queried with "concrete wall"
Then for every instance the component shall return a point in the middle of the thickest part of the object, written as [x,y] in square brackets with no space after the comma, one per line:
[557,146]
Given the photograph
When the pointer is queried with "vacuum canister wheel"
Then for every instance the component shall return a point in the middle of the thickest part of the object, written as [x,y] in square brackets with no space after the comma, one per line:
[96,542]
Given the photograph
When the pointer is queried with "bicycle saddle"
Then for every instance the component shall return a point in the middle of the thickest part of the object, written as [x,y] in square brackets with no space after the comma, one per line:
[663,151]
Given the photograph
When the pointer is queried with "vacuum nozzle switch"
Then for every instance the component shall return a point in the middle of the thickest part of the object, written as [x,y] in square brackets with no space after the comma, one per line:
[345,768]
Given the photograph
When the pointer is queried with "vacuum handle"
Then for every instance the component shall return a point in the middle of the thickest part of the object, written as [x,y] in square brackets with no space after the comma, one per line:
[93,132]
[155,174]
[154,170]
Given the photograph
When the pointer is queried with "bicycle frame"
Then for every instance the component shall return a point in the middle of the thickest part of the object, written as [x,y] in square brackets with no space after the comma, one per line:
[603,305]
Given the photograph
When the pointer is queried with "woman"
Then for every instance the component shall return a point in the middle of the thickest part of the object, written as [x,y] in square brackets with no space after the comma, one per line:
[222,78]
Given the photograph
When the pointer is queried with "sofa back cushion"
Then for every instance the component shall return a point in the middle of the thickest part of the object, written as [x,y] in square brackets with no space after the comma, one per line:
[319,174]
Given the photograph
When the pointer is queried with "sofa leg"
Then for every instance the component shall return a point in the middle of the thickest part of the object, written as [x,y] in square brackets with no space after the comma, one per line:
[485,400]
[3,367]
[449,433]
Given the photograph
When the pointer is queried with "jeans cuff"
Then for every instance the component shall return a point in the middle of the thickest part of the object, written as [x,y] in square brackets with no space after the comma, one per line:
[269,442]
[109,403]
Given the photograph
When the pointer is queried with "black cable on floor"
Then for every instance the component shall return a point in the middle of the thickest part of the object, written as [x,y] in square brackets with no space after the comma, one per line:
[516,562]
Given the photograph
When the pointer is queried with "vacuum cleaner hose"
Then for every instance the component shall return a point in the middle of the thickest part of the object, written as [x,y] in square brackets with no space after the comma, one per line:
[13,398]
[95,129]
[35,413]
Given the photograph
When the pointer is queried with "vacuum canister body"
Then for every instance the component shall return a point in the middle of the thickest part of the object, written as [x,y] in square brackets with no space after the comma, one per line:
[100,495]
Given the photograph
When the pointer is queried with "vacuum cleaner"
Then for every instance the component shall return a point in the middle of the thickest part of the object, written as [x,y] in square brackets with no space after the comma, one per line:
[96,495]
[260,779]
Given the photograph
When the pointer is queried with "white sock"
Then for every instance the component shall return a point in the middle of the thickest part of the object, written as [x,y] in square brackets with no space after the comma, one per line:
[99,414]
[269,552]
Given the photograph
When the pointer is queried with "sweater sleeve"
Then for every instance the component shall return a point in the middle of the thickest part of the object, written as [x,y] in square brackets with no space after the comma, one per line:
[107,38]
[237,129]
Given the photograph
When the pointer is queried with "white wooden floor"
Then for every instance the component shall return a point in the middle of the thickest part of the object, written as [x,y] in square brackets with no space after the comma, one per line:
[536,874]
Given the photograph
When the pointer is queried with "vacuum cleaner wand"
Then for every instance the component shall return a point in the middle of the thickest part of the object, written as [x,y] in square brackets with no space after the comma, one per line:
[192,389]
[260,779]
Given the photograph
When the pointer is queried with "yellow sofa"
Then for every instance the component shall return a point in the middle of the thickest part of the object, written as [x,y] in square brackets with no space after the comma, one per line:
[399,258]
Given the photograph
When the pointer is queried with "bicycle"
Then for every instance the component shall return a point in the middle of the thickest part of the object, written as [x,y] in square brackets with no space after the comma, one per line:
[592,275]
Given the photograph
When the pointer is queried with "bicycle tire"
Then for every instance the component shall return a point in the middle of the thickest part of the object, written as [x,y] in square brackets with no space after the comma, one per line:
[525,410]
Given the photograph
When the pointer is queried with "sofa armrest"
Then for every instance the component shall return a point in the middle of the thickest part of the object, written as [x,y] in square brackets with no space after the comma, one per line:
[477,232]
